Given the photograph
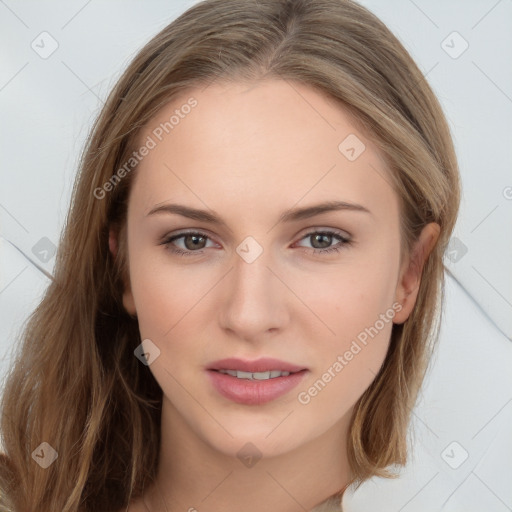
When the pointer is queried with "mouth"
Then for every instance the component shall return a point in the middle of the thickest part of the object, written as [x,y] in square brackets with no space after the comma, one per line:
[254,382]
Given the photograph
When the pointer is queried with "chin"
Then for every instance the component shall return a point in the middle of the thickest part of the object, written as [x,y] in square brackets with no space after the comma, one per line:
[254,438]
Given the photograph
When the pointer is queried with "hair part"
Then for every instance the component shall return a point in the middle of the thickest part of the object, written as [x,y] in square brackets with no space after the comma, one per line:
[74,381]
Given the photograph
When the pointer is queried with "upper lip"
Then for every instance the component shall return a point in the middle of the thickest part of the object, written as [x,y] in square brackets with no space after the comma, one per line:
[264,364]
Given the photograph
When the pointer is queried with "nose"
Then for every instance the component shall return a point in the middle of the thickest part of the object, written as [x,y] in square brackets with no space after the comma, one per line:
[255,300]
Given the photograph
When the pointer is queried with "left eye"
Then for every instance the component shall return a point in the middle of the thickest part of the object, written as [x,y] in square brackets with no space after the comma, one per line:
[326,238]
[194,242]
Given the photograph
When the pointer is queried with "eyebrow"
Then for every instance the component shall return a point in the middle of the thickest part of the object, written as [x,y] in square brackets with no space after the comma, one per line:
[291,215]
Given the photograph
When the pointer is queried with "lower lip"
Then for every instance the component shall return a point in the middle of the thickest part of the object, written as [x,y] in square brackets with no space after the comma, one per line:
[254,392]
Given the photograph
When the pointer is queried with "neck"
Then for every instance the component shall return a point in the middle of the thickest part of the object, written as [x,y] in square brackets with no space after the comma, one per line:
[193,476]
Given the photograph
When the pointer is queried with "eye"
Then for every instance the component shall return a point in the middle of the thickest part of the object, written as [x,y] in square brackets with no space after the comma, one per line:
[194,241]
[324,239]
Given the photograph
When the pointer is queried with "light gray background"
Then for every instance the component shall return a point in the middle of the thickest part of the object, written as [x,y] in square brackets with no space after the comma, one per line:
[461,443]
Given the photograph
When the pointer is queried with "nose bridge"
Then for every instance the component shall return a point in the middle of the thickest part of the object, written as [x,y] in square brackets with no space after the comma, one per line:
[254,299]
[251,277]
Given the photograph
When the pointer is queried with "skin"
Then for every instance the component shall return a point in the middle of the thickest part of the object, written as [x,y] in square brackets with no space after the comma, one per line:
[249,152]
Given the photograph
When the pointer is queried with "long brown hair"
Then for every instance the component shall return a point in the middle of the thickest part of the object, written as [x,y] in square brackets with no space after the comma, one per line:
[75,383]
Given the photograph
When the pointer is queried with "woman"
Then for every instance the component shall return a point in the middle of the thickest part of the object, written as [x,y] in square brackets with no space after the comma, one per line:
[249,282]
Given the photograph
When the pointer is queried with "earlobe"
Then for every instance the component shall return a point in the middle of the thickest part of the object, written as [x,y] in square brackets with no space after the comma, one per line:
[129,303]
[410,274]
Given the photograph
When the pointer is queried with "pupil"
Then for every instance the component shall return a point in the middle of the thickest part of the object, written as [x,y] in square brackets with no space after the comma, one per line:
[195,238]
[326,237]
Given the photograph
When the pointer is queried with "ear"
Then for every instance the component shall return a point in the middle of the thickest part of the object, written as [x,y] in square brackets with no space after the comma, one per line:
[409,280]
[128,302]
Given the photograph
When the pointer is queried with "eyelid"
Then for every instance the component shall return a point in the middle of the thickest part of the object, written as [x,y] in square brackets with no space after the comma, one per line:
[324,229]
[187,231]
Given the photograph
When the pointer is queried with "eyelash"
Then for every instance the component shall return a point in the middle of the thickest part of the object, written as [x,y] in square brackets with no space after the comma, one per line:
[180,252]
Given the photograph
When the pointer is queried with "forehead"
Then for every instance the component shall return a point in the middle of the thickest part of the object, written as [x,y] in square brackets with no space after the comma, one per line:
[254,144]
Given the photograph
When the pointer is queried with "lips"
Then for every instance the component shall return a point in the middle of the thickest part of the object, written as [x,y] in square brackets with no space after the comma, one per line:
[253,382]
[265,364]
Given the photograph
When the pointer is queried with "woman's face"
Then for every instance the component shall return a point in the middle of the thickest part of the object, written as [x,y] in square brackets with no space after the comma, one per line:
[245,277]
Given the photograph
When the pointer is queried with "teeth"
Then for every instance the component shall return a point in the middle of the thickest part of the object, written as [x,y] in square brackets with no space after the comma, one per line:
[261,375]
[272,374]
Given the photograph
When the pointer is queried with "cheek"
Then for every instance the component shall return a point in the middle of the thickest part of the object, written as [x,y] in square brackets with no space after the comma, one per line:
[163,293]
[351,296]
[360,315]
[169,309]
[355,301]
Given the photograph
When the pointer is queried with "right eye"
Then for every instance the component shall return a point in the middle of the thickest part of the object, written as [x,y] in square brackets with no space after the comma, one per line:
[193,239]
